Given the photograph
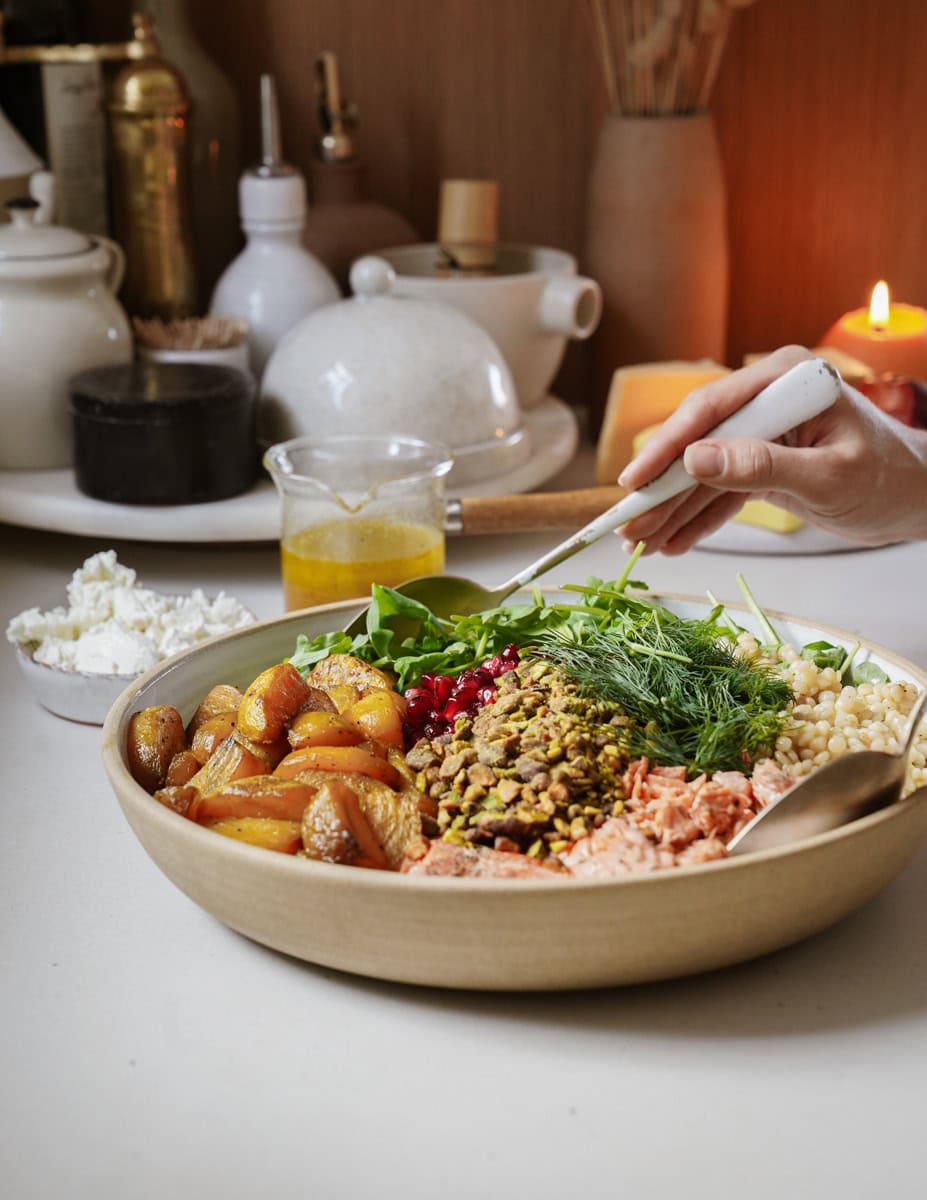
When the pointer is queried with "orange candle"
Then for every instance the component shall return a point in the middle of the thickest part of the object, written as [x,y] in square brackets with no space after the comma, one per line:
[890,338]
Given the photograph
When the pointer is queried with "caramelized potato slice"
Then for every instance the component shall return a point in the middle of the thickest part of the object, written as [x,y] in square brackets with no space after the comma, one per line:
[316,728]
[379,716]
[393,816]
[231,760]
[358,759]
[266,832]
[179,799]
[318,701]
[154,736]
[335,829]
[254,796]
[343,695]
[271,702]
[344,669]
[182,769]
[222,698]
[210,733]
[268,752]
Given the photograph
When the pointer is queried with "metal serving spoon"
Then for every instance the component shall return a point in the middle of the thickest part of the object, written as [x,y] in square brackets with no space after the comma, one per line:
[798,395]
[849,787]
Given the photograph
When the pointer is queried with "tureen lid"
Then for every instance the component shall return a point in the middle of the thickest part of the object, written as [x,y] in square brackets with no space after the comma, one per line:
[395,365]
[24,240]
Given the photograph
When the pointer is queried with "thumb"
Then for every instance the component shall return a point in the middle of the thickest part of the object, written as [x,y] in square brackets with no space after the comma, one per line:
[748,465]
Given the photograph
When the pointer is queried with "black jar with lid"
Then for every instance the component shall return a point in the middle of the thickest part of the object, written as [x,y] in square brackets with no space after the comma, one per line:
[164,433]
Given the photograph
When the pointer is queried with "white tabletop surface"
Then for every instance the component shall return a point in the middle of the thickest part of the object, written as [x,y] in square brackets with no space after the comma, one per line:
[148,1051]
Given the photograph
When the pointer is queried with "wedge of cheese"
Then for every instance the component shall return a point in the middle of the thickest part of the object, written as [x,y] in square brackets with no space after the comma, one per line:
[640,397]
[755,512]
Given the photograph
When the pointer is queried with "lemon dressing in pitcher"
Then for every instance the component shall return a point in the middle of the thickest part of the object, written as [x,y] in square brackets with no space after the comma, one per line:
[357,511]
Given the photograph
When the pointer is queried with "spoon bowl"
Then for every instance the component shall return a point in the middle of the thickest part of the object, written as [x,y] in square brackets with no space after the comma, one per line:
[843,790]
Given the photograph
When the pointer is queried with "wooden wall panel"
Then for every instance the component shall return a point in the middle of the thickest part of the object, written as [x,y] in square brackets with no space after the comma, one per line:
[819,107]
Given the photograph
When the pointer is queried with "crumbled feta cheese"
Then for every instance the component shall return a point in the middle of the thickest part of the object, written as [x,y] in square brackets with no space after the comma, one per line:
[115,627]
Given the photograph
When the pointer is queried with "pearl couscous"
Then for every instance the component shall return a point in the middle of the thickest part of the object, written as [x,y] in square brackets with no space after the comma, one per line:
[830,718]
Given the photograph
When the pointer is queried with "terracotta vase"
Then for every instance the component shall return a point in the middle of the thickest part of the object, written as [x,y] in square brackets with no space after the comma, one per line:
[657,245]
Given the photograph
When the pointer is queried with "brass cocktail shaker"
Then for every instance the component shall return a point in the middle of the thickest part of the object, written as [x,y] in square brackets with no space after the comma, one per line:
[149,115]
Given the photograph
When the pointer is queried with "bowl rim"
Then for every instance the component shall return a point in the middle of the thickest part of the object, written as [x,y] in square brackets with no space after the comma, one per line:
[131,796]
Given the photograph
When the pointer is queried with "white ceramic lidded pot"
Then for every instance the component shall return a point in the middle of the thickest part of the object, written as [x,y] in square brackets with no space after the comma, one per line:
[58,315]
[530,304]
[379,364]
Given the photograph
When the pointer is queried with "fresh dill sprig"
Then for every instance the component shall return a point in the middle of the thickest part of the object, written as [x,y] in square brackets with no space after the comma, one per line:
[689,699]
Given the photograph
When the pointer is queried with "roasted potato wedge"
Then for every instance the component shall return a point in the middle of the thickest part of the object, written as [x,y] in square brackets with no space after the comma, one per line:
[210,733]
[220,699]
[184,766]
[393,816]
[154,736]
[231,760]
[379,716]
[271,702]
[318,728]
[343,669]
[335,829]
[254,796]
[318,701]
[343,695]
[358,759]
[266,832]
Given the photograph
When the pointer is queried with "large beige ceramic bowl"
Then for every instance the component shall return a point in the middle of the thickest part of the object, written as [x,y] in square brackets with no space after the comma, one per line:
[498,934]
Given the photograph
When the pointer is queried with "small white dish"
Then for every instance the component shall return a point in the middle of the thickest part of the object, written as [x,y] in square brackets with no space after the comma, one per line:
[75,695]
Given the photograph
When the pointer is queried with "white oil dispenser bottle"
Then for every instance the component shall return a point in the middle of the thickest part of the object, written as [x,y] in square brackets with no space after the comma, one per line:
[274,282]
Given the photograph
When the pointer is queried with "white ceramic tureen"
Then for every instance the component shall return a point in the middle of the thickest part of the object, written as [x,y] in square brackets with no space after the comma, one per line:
[380,364]
[58,315]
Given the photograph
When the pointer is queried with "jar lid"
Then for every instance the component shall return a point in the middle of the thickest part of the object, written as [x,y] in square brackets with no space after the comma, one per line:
[22,239]
[145,392]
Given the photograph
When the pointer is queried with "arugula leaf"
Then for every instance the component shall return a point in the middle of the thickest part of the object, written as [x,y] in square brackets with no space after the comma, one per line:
[310,651]
[824,654]
[867,672]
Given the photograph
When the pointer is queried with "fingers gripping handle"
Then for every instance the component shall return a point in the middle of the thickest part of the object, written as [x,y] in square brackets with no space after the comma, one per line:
[798,395]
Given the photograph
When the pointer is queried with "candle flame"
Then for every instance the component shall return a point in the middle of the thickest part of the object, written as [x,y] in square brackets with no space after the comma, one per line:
[879,305]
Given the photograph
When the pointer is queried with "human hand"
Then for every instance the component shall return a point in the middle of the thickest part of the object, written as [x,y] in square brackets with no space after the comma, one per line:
[851,469]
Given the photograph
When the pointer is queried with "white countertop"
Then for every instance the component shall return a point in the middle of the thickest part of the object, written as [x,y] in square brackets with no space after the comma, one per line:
[148,1051]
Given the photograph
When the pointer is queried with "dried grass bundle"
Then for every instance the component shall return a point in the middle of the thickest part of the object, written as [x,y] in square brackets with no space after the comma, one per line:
[659,57]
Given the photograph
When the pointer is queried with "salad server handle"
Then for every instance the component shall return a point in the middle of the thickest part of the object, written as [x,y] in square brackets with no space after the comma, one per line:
[530,512]
[800,394]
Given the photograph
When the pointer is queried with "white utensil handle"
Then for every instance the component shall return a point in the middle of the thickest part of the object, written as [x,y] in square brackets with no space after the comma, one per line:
[794,397]
[798,395]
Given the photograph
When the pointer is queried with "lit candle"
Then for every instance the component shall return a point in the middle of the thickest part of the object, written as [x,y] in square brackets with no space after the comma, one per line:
[890,338]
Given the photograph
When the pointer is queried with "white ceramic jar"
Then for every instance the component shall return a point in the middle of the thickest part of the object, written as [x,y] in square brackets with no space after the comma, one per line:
[58,315]
[378,364]
[530,305]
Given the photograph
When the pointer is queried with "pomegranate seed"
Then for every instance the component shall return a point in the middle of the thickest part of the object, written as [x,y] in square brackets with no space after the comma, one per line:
[419,708]
[416,693]
[486,695]
[433,729]
[494,667]
[465,678]
[510,653]
[427,681]
[442,687]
